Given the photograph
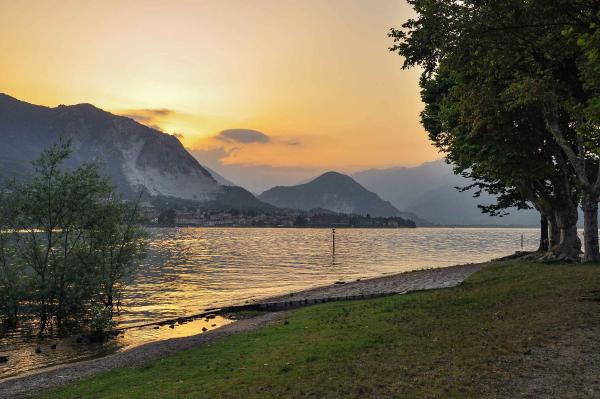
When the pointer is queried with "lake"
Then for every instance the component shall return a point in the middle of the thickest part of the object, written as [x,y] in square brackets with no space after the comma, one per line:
[188,270]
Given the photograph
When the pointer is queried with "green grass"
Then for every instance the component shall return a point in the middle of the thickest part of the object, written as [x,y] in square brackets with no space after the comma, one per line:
[447,343]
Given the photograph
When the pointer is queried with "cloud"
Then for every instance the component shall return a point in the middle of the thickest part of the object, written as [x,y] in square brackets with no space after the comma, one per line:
[244,136]
[293,142]
[147,115]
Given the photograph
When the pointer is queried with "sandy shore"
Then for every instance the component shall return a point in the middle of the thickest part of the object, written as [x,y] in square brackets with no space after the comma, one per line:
[397,283]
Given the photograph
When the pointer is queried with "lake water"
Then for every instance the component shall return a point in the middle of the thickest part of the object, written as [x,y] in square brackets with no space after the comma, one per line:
[191,269]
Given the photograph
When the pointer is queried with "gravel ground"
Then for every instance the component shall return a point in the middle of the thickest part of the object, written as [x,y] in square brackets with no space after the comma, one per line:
[418,280]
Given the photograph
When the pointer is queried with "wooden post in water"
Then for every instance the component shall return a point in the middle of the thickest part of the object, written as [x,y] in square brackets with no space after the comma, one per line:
[521,242]
[333,238]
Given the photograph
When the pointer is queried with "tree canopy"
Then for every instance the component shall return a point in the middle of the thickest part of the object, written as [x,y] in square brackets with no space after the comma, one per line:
[511,97]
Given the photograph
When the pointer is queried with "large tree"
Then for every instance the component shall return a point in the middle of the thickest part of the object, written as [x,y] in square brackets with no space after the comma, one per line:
[502,81]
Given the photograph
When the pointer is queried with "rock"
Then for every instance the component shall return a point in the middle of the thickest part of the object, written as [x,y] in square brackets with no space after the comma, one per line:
[3,359]
[53,346]
[38,350]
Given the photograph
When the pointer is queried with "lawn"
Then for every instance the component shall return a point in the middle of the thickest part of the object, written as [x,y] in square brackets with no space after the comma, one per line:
[456,342]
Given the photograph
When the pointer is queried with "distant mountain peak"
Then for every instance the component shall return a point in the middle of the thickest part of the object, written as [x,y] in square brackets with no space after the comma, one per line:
[332,191]
[84,107]
[334,177]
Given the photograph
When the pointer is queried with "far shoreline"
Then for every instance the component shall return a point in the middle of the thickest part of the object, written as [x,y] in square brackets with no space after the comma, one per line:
[475,226]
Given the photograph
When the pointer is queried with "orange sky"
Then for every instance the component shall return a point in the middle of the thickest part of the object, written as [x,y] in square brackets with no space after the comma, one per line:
[315,77]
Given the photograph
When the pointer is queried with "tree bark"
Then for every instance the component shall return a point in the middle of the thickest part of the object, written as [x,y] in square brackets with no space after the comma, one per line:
[544,240]
[589,204]
[569,248]
[553,231]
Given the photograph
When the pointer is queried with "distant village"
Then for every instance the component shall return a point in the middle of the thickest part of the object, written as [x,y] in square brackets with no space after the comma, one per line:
[152,215]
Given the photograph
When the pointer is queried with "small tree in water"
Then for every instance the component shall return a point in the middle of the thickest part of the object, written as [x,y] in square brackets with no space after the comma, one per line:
[70,241]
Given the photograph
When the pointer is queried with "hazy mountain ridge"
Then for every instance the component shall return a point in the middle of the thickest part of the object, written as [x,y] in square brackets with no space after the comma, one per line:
[133,155]
[429,192]
[333,191]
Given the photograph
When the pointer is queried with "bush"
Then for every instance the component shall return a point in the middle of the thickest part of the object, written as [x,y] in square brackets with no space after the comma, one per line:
[68,244]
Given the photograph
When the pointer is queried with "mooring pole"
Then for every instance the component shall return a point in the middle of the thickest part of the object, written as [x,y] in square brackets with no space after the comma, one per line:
[521,242]
[333,238]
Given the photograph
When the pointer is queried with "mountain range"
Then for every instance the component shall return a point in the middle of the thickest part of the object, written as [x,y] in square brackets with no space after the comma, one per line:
[429,191]
[136,157]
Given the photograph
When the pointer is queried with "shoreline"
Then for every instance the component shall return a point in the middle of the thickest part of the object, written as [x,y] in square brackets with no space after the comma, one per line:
[394,284]
[389,284]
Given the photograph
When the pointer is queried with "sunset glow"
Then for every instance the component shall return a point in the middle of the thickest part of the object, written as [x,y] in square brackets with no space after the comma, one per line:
[314,76]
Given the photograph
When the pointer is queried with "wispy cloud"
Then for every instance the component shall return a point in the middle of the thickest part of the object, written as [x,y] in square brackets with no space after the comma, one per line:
[293,142]
[148,115]
[244,136]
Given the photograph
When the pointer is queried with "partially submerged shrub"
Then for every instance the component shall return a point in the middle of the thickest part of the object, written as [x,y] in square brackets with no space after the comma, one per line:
[68,244]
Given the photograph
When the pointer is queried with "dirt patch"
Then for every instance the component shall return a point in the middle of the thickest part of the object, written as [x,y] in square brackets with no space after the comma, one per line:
[567,367]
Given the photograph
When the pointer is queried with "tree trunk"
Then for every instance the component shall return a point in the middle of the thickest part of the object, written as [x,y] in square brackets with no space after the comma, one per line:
[589,204]
[543,234]
[553,231]
[569,247]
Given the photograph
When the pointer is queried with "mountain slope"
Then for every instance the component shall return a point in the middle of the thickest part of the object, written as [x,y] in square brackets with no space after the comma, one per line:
[133,155]
[332,191]
[219,178]
[429,192]
[403,186]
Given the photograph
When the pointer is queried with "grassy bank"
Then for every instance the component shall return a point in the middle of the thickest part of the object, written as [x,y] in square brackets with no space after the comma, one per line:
[456,342]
